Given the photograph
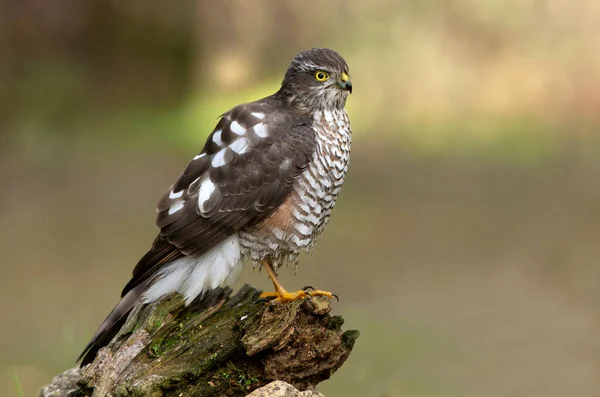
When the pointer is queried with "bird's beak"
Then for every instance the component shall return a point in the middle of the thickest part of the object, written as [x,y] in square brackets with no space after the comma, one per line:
[345,83]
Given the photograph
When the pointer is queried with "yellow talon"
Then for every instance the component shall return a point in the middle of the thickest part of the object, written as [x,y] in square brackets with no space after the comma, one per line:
[326,294]
[284,296]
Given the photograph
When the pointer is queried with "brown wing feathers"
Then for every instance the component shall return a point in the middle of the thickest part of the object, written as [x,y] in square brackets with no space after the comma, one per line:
[246,169]
[263,151]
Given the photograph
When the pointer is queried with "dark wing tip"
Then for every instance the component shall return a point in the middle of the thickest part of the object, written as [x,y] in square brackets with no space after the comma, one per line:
[112,324]
[88,354]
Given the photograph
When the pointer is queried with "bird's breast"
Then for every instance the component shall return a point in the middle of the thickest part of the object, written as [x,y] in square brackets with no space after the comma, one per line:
[297,222]
[321,182]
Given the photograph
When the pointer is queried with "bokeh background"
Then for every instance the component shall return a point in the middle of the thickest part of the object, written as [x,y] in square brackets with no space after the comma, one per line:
[465,246]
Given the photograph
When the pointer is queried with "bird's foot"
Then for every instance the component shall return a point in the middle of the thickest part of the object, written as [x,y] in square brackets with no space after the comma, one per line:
[285,297]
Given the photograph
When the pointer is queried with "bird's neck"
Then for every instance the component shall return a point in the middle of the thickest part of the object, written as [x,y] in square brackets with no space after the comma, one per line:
[307,106]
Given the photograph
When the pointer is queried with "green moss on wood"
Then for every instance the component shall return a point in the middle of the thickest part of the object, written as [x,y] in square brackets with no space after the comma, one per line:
[226,346]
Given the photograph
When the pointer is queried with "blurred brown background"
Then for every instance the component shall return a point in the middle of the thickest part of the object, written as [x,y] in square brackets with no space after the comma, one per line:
[465,246]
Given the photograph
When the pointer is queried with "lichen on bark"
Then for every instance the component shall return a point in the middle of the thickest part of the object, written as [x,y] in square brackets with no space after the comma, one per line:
[221,345]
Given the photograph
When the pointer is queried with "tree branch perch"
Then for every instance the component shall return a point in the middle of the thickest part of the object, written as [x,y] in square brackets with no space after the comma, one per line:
[222,345]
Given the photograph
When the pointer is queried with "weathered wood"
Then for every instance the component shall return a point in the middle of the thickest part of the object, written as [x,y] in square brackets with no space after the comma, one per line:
[220,346]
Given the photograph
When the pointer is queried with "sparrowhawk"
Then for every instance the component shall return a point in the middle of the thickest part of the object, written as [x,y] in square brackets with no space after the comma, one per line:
[261,190]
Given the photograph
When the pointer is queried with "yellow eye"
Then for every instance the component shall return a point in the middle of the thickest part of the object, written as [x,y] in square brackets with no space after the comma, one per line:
[321,75]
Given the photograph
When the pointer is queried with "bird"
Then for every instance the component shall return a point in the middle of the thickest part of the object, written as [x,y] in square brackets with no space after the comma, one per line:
[261,191]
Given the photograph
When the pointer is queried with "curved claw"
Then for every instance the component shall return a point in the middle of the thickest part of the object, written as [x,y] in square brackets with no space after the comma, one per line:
[308,287]
[262,300]
[337,298]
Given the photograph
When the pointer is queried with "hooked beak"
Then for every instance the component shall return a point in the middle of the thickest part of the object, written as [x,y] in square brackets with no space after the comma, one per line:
[345,83]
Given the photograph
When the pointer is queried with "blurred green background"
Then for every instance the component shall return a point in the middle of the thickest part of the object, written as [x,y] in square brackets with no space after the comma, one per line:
[465,245]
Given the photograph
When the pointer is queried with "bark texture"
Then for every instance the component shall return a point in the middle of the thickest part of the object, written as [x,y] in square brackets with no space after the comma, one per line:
[220,346]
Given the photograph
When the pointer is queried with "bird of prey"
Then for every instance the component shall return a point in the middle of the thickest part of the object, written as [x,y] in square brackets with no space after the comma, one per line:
[261,190]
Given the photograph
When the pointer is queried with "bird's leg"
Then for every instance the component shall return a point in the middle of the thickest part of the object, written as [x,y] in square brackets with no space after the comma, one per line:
[284,296]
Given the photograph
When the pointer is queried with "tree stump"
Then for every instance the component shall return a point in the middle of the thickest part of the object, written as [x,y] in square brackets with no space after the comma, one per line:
[221,345]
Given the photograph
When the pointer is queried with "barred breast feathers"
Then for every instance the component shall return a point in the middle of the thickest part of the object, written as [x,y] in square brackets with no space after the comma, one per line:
[302,217]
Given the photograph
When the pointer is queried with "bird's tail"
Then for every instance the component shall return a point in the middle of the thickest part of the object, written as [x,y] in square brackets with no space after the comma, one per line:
[112,324]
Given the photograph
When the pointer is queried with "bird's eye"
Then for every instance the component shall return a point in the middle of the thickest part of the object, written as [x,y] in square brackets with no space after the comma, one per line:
[321,75]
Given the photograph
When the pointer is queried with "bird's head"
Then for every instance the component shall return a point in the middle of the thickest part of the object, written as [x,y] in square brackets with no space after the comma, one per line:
[317,79]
